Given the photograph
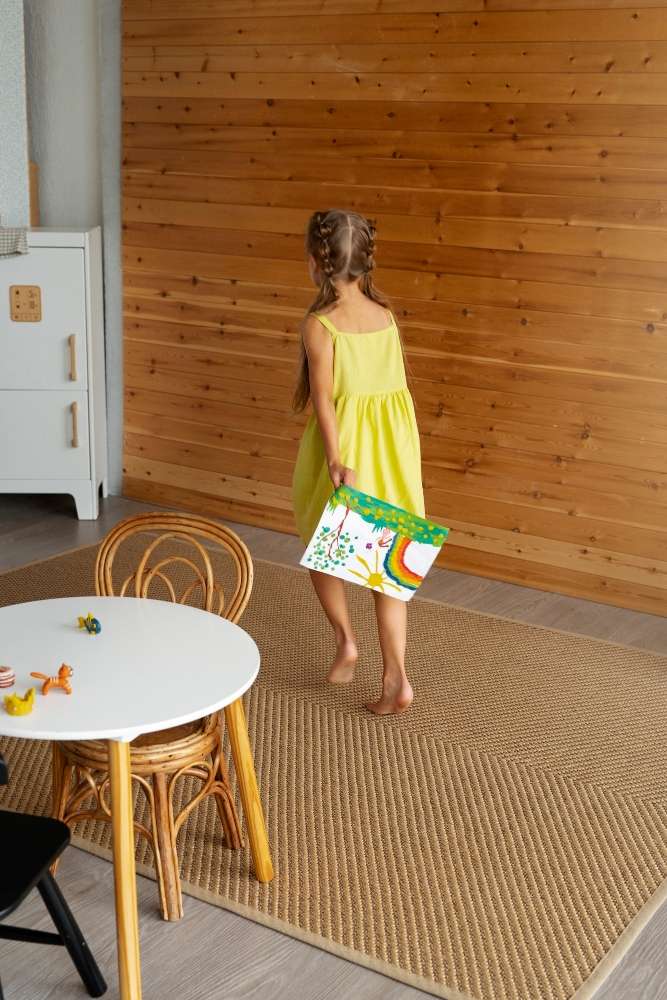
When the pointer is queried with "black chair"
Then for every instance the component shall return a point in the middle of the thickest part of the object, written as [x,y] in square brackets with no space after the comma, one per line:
[30,845]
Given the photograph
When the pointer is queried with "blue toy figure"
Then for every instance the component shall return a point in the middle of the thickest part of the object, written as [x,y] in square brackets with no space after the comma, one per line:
[91,625]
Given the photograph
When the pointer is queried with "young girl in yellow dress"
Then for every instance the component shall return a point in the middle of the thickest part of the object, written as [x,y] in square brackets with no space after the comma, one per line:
[362,431]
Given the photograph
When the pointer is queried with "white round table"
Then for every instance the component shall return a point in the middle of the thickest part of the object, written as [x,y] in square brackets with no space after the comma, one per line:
[154,665]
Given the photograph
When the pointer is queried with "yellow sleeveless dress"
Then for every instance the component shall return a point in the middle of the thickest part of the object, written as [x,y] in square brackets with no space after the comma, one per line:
[377,428]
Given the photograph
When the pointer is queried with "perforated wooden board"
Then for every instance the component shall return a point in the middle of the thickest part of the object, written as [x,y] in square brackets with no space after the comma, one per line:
[25,303]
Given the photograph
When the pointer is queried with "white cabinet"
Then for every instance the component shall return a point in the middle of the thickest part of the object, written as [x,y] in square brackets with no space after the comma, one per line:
[52,385]
[45,432]
[49,353]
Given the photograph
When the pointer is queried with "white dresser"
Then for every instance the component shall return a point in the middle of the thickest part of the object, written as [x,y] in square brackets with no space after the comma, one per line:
[52,385]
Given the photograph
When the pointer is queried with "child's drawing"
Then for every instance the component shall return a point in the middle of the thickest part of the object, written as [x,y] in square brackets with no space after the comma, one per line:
[374,544]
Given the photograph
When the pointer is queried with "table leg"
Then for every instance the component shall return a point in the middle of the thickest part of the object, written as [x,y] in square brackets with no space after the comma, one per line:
[125,879]
[252,804]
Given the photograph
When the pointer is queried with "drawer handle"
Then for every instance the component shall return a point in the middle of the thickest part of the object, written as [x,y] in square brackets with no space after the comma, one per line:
[75,424]
[72,357]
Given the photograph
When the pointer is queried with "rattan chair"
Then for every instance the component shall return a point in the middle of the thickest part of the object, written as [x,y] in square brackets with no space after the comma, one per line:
[80,769]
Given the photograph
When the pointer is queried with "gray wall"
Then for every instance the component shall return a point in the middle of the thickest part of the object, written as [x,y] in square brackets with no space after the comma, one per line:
[62,70]
[14,182]
[110,149]
[73,88]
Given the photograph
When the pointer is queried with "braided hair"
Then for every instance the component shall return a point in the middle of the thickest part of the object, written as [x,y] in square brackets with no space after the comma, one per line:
[370,250]
[323,231]
[342,244]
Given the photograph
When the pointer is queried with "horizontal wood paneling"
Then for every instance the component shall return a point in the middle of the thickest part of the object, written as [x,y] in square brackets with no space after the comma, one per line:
[533,88]
[513,57]
[201,179]
[422,26]
[441,206]
[199,146]
[505,117]
[142,9]
[515,157]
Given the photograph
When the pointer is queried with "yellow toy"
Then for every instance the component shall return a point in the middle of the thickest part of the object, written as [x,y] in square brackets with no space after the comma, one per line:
[61,681]
[17,705]
[91,625]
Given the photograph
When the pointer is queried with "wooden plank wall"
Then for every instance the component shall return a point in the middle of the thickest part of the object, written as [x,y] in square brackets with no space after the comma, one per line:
[514,154]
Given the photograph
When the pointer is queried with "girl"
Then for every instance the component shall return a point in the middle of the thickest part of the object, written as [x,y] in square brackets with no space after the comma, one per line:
[363,430]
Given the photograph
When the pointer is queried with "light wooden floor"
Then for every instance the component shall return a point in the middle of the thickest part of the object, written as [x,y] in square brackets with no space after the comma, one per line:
[215,954]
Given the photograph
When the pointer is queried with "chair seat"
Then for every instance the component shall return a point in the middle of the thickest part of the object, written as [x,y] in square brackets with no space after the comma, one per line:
[144,743]
[163,736]
[29,845]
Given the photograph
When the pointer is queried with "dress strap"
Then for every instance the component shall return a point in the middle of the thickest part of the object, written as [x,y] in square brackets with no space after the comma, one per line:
[325,321]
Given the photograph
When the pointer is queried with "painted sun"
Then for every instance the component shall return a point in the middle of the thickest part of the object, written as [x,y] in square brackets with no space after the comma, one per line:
[374,578]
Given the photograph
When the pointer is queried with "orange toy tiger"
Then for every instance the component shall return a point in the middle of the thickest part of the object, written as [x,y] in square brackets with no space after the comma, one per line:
[61,681]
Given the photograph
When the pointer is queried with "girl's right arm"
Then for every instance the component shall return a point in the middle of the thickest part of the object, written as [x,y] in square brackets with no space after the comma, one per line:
[319,349]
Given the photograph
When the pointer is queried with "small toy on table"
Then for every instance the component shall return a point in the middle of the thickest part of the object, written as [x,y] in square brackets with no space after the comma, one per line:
[91,625]
[7,677]
[60,681]
[17,705]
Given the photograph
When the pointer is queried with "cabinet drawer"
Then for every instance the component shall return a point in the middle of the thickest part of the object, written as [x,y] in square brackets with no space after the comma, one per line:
[44,435]
[49,353]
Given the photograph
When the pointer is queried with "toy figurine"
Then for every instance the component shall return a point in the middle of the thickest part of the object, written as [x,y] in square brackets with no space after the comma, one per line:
[7,677]
[17,705]
[61,681]
[91,625]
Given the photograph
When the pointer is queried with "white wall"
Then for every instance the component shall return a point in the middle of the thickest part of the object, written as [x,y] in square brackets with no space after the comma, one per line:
[62,69]
[73,89]
[14,183]
[110,148]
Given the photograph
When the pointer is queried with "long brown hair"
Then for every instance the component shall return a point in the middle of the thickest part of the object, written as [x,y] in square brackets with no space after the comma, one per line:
[343,247]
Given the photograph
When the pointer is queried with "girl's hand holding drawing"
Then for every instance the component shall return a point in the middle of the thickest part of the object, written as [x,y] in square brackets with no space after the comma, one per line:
[341,475]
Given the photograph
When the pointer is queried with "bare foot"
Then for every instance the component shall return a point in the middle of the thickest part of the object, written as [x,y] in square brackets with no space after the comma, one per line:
[396,698]
[342,668]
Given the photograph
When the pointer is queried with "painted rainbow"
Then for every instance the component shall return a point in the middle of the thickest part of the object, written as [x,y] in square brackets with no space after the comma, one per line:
[396,567]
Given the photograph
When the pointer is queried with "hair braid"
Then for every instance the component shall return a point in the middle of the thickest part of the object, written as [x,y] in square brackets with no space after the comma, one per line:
[323,233]
[370,251]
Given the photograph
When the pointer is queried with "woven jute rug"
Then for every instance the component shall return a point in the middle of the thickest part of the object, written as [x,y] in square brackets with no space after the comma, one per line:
[504,840]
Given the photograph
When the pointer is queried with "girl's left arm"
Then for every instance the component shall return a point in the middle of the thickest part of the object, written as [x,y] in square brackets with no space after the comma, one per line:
[319,349]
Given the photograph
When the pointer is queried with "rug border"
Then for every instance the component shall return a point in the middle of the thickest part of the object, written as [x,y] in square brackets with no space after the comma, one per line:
[65,552]
[622,945]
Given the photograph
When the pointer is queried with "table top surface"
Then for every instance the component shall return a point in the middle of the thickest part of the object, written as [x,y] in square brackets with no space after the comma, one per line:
[153,665]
